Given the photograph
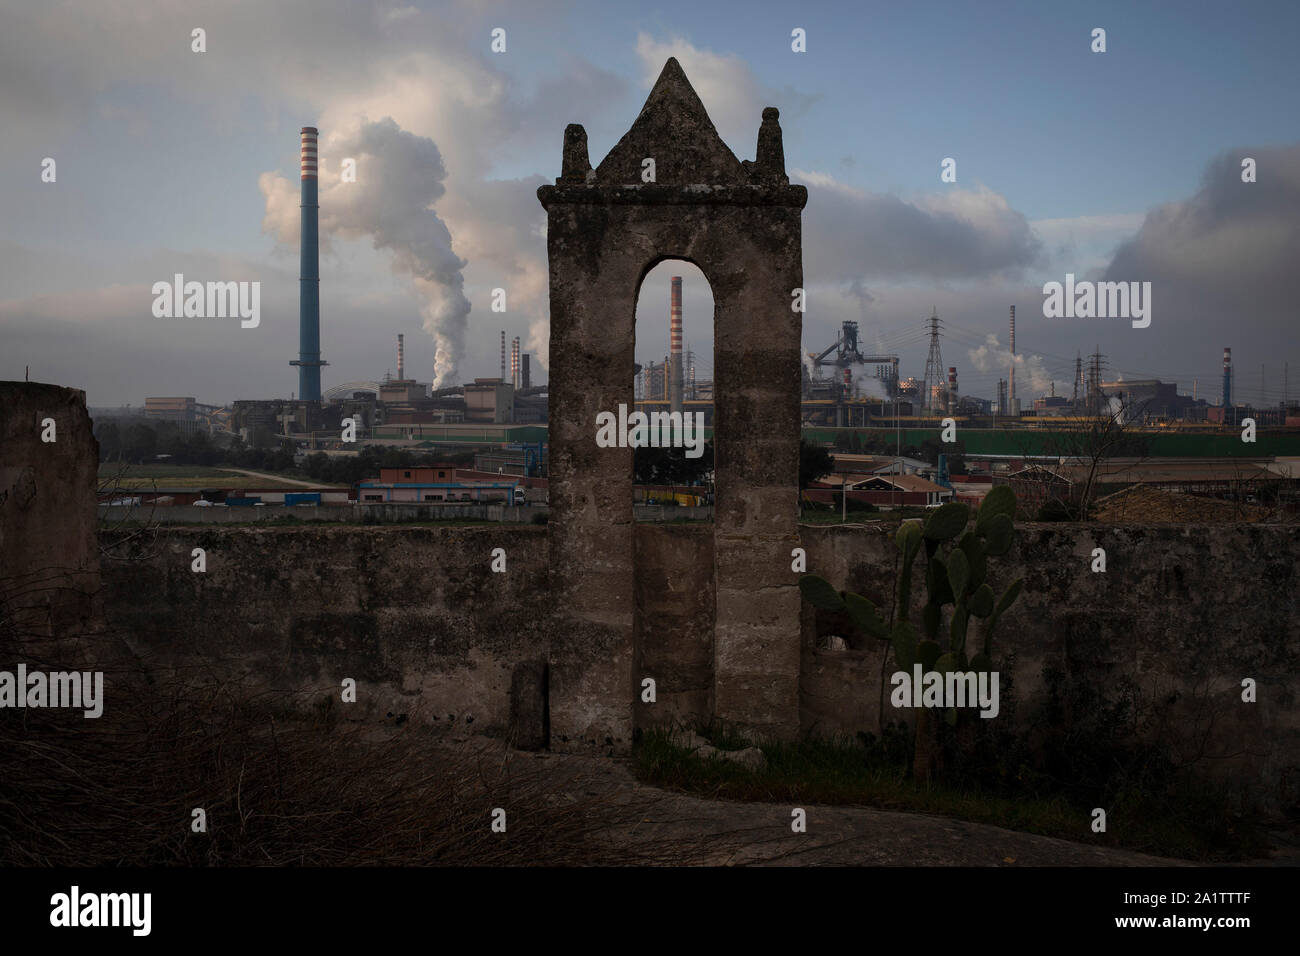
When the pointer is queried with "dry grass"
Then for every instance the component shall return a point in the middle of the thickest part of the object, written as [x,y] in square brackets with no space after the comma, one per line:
[277,789]
[1140,504]
[119,791]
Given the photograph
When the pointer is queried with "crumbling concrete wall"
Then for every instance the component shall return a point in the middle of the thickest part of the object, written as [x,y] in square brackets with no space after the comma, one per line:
[1181,616]
[49,555]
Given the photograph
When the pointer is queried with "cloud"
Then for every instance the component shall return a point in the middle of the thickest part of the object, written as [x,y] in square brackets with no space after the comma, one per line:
[954,234]
[1084,244]
[1222,262]
[81,306]
[1088,228]
[1231,241]
[399,177]
[133,350]
[333,64]
[858,289]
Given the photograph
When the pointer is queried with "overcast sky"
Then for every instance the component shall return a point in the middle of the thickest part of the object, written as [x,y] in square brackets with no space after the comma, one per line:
[1124,165]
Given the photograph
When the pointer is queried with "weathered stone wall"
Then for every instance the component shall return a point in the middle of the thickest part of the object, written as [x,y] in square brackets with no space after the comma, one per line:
[49,557]
[342,514]
[1181,615]
[675,606]
[415,615]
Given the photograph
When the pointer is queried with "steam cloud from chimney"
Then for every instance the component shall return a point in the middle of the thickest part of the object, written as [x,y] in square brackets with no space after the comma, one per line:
[993,357]
[398,178]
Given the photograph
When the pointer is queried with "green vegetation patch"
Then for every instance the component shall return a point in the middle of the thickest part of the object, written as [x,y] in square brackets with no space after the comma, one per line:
[1000,781]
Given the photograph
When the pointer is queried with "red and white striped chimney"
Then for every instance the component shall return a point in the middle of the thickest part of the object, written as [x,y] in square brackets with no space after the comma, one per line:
[514,362]
[1011,394]
[675,344]
[307,157]
[309,361]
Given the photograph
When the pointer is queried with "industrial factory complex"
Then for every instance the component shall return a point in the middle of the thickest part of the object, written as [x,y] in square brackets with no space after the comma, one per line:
[500,422]
[401,410]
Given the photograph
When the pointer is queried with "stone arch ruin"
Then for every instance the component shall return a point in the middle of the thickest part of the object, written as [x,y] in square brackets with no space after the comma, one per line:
[740,223]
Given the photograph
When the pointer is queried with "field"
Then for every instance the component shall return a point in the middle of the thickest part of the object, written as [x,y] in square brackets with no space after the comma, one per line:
[142,477]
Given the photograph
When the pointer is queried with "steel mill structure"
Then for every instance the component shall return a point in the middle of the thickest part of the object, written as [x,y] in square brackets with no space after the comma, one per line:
[309,361]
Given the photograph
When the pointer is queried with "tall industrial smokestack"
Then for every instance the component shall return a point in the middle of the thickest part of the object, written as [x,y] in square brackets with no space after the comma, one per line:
[1227,378]
[309,362]
[503,355]
[952,389]
[514,362]
[1011,390]
[524,376]
[401,357]
[675,345]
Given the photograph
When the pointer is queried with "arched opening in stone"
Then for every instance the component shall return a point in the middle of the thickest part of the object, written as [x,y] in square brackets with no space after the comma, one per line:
[674,605]
[673,387]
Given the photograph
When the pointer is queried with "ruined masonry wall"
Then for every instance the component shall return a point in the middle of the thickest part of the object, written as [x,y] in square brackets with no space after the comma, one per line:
[418,618]
[1180,616]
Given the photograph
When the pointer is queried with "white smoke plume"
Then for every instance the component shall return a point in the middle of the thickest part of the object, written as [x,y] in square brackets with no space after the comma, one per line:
[399,176]
[993,357]
[539,344]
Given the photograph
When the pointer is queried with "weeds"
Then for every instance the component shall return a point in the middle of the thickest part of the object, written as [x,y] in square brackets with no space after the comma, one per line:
[1045,779]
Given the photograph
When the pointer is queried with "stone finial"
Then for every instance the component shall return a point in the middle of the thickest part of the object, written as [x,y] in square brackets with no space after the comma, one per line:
[769,157]
[577,164]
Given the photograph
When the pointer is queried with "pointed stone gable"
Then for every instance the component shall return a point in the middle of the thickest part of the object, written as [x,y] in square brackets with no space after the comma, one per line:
[675,131]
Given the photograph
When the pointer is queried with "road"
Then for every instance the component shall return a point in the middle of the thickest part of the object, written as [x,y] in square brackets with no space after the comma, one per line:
[279,479]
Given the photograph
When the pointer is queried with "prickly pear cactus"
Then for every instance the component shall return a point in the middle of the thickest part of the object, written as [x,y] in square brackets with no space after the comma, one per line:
[955,578]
